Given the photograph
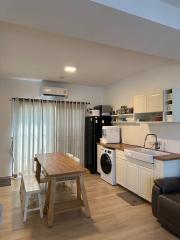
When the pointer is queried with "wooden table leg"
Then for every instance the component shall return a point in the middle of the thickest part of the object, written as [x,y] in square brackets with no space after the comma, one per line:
[84,196]
[38,171]
[46,204]
[52,193]
[78,188]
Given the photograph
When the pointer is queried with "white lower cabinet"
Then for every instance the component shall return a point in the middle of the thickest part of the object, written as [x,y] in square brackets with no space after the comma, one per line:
[132,180]
[121,171]
[146,178]
[133,176]
[138,176]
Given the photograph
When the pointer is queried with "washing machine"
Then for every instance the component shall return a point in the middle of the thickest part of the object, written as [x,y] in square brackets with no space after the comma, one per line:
[108,166]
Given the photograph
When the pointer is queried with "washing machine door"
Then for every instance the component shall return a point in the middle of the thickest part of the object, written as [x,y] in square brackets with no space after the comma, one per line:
[106,164]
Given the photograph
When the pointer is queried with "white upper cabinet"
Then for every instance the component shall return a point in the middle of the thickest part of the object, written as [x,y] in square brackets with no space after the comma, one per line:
[140,102]
[148,103]
[155,102]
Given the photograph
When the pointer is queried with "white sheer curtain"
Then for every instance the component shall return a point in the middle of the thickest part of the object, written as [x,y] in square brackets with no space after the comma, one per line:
[41,126]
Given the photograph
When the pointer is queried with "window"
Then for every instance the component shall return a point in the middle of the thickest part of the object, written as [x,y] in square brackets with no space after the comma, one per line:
[41,126]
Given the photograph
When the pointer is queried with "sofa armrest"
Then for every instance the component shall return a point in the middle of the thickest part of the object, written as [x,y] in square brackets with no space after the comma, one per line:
[156,192]
[168,185]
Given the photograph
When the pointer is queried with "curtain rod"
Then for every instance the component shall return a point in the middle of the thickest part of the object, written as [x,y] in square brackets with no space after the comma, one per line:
[43,99]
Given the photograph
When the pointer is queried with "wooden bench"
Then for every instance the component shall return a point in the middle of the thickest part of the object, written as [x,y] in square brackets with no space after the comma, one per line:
[29,187]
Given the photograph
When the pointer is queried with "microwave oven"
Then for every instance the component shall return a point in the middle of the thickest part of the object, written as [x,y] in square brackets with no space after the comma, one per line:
[111,134]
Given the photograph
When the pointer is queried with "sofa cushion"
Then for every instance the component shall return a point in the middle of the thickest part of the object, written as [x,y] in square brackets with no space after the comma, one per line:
[168,185]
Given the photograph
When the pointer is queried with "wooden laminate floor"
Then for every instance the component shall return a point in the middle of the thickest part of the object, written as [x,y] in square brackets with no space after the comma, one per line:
[112,217]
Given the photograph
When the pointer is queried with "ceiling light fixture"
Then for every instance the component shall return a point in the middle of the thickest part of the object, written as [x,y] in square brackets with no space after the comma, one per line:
[70,69]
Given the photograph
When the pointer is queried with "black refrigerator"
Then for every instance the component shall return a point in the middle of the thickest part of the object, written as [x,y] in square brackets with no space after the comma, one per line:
[93,133]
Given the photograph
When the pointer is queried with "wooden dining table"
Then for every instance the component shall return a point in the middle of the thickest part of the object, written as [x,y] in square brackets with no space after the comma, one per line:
[60,166]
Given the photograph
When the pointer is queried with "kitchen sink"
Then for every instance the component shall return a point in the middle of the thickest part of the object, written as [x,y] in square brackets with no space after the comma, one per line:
[143,154]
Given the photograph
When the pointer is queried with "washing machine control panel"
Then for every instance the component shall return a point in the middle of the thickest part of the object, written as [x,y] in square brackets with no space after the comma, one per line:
[107,151]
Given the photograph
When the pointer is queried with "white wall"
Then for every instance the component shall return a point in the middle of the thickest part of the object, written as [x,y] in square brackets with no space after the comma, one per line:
[16,88]
[121,93]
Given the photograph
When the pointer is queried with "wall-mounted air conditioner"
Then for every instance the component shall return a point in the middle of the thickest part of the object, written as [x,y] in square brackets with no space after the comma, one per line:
[54,91]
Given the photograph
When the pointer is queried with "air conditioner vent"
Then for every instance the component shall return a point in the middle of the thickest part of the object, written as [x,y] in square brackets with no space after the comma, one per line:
[54,91]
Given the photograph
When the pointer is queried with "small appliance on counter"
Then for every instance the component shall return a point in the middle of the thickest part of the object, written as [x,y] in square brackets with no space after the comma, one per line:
[93,113]
[105,110]
[111,134]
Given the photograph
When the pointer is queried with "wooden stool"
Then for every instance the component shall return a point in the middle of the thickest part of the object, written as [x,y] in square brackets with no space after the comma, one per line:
[31,187]
[69,155]
[73,181]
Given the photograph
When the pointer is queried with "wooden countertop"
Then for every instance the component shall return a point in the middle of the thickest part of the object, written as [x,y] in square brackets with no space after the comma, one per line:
[119,146]
[170,157]
[122,146]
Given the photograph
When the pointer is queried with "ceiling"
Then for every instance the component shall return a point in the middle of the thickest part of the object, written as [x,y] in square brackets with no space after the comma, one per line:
[95,22]
[165,12]
[27,53]
[39,37]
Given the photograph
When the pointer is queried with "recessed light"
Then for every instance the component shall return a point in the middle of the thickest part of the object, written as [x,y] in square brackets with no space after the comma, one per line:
[70,69]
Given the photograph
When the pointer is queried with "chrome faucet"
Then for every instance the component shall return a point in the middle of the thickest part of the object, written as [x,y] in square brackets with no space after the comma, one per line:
[156,145]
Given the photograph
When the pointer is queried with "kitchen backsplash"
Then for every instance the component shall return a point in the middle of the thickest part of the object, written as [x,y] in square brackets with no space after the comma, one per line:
[135,135]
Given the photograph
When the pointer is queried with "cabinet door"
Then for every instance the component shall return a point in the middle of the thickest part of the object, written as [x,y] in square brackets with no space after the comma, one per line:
[121,171]
[139,102]
[132,180]
[146,178]
[155,102]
